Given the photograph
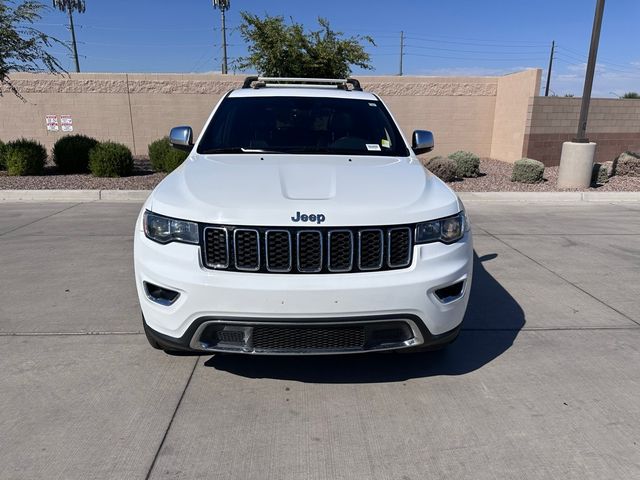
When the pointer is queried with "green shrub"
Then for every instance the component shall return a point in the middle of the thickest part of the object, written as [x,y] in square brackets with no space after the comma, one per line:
[71,153]
[444,168]
[165,158]
[25,157]
[628,163]
[157,152]
[174,159]
[467,164]
[110,159]
[527,170]
[3,162]
[601,173]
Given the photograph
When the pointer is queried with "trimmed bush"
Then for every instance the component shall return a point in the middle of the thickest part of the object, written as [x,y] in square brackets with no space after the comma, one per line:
[601,173]
[71,153]
[165,158]
[527,170]
[444,168]
[628,163]
[3,162]
[174,159]
[110,159]
[25,157]
[467,164]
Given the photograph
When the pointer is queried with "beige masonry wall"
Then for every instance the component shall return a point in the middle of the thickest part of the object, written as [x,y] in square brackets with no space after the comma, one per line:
[135,109]
[614,124]
[510,120]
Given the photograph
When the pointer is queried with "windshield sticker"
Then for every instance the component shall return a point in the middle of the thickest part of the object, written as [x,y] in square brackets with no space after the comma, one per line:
[371,104]
[385,143]
[373,147]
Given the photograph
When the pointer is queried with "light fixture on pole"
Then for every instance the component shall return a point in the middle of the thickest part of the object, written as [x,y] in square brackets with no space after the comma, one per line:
[223,6]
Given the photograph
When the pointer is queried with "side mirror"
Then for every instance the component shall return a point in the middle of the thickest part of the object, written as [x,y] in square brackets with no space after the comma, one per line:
[422,141]
[181,138]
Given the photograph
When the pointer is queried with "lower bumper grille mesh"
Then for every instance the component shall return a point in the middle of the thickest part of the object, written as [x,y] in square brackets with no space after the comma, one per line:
[308,338]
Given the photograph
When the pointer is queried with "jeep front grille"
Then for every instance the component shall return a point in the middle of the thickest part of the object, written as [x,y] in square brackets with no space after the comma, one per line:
[307,250]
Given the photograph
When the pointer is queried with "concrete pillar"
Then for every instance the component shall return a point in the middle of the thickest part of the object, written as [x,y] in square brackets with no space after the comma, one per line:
[576,165]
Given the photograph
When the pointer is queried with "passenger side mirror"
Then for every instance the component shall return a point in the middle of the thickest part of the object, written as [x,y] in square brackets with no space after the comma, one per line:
[422,141]
[181,138]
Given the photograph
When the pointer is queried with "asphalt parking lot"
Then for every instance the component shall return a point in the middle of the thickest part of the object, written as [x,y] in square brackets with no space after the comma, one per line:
[543,383]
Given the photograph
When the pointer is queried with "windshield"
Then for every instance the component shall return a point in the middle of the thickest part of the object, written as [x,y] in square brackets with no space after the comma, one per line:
[302,125]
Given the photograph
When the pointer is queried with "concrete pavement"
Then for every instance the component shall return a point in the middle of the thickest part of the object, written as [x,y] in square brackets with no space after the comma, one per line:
[543,382]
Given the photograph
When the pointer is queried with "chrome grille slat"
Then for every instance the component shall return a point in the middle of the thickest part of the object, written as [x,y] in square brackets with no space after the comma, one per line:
[217,247]
[399,246]
[246,248]
[370,249]
[278,251]
[307,250]
[339,257]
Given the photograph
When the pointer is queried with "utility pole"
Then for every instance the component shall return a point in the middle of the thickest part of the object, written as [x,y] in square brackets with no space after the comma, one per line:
[223,5]
[576,160]
[553,48]
[73,40]
[591,68]
[401,50]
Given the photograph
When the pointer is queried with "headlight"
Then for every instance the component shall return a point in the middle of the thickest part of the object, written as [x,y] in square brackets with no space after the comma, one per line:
[165,230]
[445,230]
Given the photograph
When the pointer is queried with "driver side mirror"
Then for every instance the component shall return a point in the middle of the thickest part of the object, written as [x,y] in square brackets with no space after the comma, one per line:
[181,138]
[422,141]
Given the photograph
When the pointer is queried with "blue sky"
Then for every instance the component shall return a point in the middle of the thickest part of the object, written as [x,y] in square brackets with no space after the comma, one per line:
[442,37]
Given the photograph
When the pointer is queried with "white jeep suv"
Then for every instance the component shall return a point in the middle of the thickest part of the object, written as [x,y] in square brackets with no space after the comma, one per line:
[302,223]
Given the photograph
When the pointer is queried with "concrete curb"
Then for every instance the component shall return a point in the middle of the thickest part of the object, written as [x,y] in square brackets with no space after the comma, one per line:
[549,197]
[73,195]
[141,195]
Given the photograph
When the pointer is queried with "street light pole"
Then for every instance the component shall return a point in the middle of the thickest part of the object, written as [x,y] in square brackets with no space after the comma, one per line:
[591,68]
[223,5]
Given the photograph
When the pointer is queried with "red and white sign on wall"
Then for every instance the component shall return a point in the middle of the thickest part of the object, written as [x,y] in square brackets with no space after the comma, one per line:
[67,123]
[52,123]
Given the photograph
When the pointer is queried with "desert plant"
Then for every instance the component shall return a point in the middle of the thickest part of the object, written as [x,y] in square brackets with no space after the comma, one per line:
[627,163]
[3,162]
[110,159]
[601,173]
[25,157]
[165,158]
[467,164]
[71,153]
[527,170]
[444,168]
[174,159]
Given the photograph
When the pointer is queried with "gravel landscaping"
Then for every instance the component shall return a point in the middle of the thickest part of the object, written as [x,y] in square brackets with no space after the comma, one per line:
[495,177]
[143,178]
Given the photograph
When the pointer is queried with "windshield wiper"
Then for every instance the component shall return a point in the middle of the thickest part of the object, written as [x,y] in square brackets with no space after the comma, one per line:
[212,151]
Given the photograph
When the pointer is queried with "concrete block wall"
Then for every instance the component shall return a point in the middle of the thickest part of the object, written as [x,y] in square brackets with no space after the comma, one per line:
[614,124]
[465,113]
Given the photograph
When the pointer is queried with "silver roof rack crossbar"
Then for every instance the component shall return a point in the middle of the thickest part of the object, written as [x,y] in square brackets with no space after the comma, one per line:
[342,83]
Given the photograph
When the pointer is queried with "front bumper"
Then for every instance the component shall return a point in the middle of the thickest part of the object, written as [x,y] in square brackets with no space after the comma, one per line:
[250,299]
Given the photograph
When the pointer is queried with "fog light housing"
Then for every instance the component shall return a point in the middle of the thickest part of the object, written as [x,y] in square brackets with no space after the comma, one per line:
[450,293]
[160,295]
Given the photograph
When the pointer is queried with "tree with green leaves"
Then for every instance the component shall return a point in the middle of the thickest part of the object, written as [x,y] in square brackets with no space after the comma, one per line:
[631,95]
[71,6]
[277,49]
[23,48]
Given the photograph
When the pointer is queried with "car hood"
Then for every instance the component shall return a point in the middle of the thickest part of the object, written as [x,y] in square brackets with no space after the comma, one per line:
[272,189]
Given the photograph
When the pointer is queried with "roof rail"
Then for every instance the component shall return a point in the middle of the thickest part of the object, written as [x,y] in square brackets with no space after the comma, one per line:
[341,83]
